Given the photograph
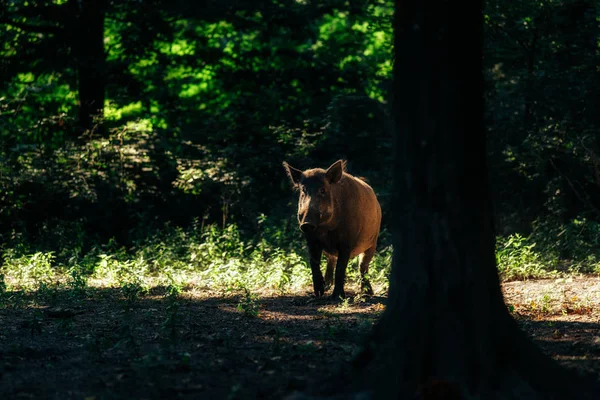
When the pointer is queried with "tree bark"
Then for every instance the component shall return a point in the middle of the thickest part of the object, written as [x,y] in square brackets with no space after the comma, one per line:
[529,80]
[90,58]
[446,320]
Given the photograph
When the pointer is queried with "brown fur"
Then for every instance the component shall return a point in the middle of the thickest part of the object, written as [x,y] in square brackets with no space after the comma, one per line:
[341,217]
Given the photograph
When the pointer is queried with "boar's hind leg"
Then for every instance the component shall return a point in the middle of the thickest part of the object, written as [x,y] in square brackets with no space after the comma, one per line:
[364,260]
[340,274]
[315,250]
[331,260]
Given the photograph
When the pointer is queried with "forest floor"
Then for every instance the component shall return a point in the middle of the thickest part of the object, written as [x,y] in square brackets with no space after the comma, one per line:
[203,345]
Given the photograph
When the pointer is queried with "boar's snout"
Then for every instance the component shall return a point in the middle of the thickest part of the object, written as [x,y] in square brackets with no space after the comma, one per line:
[307,227]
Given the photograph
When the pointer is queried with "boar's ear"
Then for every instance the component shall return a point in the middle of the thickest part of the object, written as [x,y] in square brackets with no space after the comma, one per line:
[335,172]
[293,173]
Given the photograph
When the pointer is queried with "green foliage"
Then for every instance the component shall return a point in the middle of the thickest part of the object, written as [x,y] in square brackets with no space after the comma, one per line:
[79,282]
[211,258]
[133,290]
[249,303]
[550,250]
[576,242]
[29,270]
[517,258]
[181,178]
[541,67]
[169,325]
[201,108]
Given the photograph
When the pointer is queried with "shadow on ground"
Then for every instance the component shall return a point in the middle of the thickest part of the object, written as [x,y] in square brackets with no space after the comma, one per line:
[574,344]
[99,345]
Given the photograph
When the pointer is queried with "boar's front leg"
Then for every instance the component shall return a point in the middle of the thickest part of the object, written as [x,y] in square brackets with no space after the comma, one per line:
[316,250]
[340,275]
[331,260]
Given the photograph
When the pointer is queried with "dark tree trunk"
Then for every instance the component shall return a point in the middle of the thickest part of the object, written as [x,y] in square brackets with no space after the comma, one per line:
[529,80]
[446,320]
[90,58]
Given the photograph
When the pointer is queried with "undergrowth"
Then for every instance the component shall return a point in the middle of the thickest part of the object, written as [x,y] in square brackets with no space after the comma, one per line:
[207,258]
[219,259]
[552,250]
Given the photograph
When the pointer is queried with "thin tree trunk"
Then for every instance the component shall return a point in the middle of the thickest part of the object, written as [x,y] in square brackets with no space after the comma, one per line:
[530,77]
[90,55]
[446,320]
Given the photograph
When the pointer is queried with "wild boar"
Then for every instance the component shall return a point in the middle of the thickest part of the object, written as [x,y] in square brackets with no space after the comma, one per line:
[340,216]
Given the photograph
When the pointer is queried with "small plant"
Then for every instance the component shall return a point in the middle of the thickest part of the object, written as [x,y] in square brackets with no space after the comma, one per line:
[345,304]
[359,298]
[249,303]
[174,288]
[13,299]
[169,325]
[545,303]
[78,281]
[132,291]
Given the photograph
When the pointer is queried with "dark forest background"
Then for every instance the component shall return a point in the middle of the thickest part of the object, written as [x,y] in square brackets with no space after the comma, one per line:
[120,121]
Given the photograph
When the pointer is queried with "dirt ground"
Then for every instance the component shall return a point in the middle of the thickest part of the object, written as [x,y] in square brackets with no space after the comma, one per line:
[205,346]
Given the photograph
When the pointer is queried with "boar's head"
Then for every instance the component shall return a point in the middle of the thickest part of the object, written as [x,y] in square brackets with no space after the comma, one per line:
[317,191]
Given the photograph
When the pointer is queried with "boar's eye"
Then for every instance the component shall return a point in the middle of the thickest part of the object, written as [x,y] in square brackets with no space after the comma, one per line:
[322,191]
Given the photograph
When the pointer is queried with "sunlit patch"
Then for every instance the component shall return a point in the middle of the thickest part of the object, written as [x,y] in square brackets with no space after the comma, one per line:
[112,112]
[179,47]
[213,260]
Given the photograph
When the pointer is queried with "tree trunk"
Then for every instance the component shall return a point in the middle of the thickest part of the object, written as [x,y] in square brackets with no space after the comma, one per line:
[446,320]
[90,58]
[529,81]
